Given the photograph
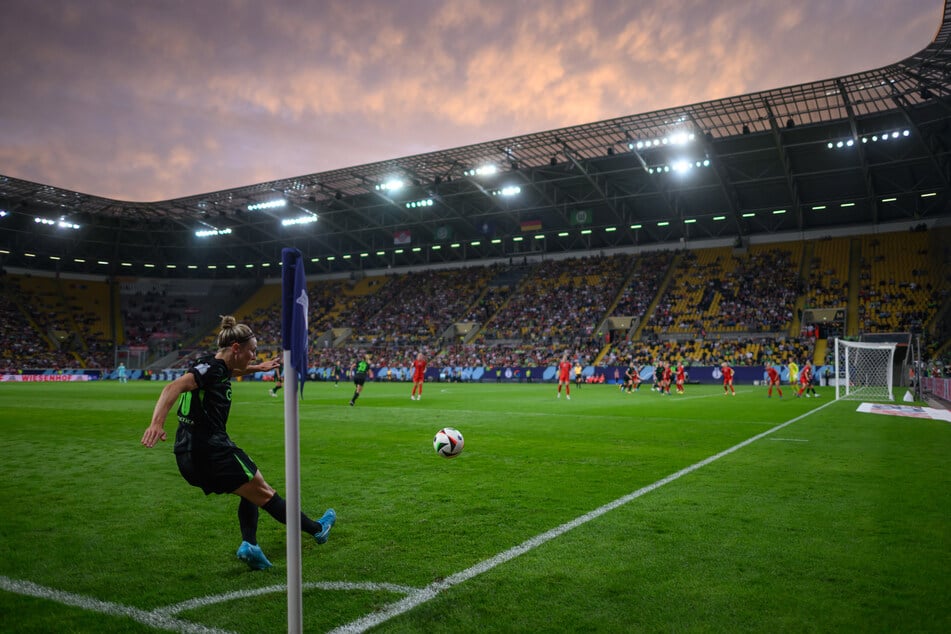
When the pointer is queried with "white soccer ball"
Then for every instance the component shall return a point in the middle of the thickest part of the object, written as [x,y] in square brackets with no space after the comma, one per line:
[448,442]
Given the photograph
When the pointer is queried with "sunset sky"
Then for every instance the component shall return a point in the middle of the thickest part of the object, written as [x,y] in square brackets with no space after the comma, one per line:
[159,99]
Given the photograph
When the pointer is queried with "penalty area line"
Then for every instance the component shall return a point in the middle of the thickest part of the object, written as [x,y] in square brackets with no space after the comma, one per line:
[432,590]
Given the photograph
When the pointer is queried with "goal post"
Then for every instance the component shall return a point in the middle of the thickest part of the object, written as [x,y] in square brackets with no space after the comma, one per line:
[864,371]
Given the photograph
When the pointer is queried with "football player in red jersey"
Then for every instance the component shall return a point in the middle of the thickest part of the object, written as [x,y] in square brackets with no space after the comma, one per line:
[564,372]
[419,376]
[727,379]
[773,380]
[680,377]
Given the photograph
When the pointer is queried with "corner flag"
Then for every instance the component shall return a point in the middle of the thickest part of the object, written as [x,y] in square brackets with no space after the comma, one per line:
[294,312]
[294,307]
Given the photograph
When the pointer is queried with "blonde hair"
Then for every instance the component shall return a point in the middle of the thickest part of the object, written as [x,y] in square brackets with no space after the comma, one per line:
[233,332]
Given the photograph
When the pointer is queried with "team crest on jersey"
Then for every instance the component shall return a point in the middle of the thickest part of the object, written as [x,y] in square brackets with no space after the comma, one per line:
[201,368]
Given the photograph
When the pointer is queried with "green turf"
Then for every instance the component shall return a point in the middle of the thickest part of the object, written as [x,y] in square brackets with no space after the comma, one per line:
[839,521]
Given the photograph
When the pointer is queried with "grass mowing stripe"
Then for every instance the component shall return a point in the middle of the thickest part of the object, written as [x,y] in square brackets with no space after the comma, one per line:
[432,590]
[152,619]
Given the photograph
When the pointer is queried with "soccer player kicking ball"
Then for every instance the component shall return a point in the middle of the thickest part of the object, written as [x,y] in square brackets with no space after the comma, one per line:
[207,457]
[727,379]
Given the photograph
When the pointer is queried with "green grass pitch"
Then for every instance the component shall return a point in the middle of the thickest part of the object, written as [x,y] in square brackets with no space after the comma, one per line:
[839,521]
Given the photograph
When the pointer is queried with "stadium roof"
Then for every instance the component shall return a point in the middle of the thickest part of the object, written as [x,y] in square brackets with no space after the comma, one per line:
[862,149]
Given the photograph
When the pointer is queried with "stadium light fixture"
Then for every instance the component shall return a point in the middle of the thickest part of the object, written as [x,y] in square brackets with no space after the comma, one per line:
[398,251]
[192,266]
[475,243]
[306,219]
[331,258]
[610,229]
[381,252]
[315,259]
[818,207]
[749,214]
[205,233]
[102,262]
[719,218]
[417,249]
[847,205]
[636,226]
[454,245]
[874,138]
[690,221]
[149,265]
[497,241]
[562,234]
[55,257]
[364,255]
[778,212]
[483,170]
[4,213]
[347,256]
[62,223]
[510,190]
[540,236]
[268,204]
[677,138]
[425,202]
[391,185]
[437,247]
[517,239]
[663,223]
[33,255]
[230,266]
[125,263]
[929,194]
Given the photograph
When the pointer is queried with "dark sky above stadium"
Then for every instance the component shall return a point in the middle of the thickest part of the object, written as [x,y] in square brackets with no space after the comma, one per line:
[159,99]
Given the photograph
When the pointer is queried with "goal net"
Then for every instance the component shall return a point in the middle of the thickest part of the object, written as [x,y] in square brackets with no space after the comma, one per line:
[864,371]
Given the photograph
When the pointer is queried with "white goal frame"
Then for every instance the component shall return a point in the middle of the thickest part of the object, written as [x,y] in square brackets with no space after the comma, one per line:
[864,371]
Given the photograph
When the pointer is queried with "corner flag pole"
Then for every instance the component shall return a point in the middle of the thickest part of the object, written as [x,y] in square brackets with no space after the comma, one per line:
[294,307]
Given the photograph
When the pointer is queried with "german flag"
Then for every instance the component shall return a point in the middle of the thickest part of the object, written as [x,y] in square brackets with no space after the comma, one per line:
[531,225]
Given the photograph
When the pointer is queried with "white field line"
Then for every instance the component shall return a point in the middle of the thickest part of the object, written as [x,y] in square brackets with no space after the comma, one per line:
[429,592]
[145,617]
[163,618]
[201,602]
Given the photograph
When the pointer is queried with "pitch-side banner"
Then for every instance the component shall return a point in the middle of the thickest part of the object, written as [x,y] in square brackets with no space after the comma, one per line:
[44,378]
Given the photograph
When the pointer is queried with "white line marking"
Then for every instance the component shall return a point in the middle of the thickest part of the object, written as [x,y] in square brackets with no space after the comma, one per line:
[163,618]
[429,592]
[201,602]
[151,619]
[789,439]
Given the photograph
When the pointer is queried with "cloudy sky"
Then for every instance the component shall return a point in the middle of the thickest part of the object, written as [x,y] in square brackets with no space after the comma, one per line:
[155,99]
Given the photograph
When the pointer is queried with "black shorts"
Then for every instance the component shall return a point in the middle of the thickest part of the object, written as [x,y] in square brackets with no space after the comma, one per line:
[220,471]
[359,378]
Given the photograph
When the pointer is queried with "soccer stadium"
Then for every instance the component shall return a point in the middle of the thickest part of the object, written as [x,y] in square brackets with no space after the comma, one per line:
[797,238]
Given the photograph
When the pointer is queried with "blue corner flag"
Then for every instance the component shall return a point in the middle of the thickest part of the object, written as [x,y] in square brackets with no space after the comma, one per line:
[294,312]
